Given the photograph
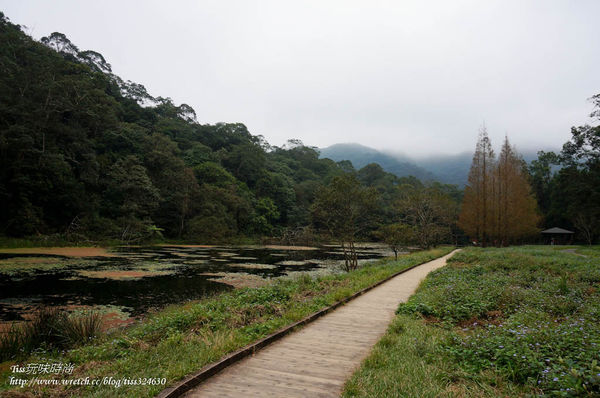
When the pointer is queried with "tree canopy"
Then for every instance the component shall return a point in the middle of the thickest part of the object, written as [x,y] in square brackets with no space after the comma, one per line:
[566,183]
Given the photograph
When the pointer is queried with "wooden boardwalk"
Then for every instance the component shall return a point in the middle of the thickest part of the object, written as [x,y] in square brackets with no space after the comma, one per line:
[317,360]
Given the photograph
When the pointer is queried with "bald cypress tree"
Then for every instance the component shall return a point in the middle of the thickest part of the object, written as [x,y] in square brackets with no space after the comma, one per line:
[475,218]
[515,206]
[498,207]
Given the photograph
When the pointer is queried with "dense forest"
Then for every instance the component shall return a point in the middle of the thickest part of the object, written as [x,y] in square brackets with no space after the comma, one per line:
[85,155]
[567,184]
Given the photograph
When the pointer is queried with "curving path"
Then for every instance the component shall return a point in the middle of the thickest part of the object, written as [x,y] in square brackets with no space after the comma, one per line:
[317,360]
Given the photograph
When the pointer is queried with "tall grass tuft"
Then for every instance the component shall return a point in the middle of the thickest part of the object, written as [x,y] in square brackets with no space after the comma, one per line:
[11,343]
[49,328]
[75,330]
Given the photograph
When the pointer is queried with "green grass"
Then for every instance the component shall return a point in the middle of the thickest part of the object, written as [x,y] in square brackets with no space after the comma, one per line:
[183,338]
[58,240]
[409,362]
[508,322]
[52,241]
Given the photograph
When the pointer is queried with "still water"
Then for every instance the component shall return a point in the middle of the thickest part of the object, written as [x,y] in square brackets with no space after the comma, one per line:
[136,279]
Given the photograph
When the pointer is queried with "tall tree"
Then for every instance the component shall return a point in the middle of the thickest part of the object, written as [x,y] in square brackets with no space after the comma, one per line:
[514,206]
[576,187]
[475,217]
[542,175]
[429,211]
[344,209]
[499,206]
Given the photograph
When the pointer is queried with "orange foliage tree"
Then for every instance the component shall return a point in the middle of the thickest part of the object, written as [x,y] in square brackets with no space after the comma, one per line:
[475,214]
[498,207]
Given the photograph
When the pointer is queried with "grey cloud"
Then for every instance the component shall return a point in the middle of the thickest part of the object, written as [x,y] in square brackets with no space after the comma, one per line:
[410,76]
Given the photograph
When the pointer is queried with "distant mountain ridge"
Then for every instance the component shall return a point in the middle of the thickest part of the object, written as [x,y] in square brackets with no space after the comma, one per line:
[449,169]
[361,156]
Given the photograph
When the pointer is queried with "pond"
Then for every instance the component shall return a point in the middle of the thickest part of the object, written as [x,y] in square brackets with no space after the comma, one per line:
[129,281]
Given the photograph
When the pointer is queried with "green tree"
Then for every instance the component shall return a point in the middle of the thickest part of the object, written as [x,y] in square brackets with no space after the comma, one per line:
[566,184]
[542,174]
[429,211]
[266,214]
[345,209]
[397,236]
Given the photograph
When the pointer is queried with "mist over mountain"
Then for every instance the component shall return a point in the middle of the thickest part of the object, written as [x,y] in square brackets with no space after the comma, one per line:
[361,156]
[449,169]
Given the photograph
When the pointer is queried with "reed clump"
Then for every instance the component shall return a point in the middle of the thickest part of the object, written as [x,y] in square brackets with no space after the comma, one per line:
[49,328]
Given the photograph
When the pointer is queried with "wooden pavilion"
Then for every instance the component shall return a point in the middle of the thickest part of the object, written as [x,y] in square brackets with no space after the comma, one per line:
[558,236]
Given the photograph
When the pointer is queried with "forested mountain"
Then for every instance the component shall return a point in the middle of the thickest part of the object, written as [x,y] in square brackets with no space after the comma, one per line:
[451,169]
[361,155]
[86,155]
[79,154]
[448,169]
[454,169]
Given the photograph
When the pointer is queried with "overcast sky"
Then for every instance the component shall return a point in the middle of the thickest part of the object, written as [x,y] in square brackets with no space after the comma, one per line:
[417,77]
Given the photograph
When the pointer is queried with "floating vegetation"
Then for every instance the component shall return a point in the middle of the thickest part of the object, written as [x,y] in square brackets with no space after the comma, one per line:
[292,262]
[281,247]
[27,266]
[329,263]
[121,274]
[158,266]
[139,256]
[183,254]
[195,262]
[253,266]
[237,279]
[27,260]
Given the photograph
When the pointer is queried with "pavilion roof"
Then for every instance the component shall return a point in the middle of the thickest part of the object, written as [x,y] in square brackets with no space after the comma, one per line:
[557,230]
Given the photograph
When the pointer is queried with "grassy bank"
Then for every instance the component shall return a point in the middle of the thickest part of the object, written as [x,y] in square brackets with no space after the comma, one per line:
[51,241]
[181,339]
[61,241]
[494,322]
